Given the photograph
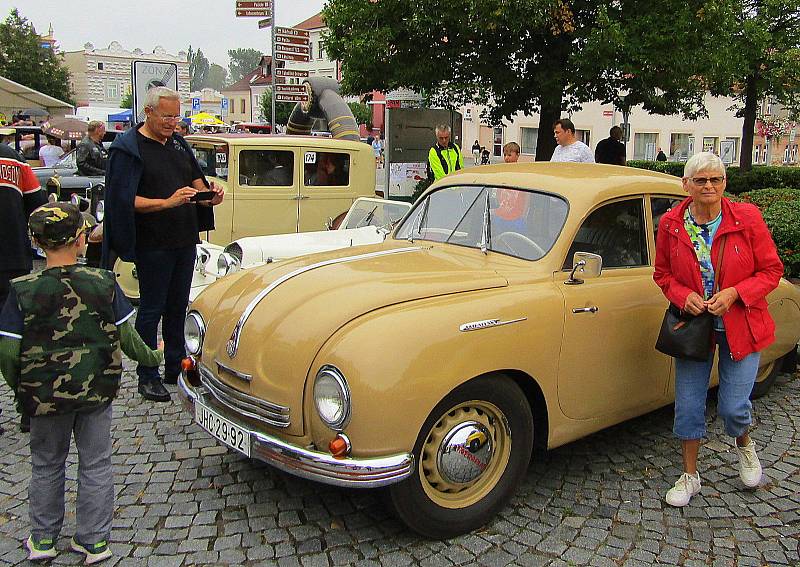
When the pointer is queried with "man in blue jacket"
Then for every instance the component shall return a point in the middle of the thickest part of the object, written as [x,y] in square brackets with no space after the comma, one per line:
[153,220]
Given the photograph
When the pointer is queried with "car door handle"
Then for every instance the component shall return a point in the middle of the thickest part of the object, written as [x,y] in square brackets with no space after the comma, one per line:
[300,197]
[592,309]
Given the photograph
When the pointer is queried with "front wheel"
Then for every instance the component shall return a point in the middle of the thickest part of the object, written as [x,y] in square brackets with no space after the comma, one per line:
[471,454]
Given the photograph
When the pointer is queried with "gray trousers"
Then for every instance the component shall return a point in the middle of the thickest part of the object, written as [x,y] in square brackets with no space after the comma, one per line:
[50,439]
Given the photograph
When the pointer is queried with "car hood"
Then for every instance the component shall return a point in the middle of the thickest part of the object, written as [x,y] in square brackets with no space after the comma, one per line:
[293,307]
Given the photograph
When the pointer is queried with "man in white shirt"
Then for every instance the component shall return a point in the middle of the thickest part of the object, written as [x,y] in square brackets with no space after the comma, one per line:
[569,148]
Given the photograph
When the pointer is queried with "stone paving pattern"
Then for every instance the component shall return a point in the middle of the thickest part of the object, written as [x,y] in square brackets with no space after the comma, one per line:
[183,499]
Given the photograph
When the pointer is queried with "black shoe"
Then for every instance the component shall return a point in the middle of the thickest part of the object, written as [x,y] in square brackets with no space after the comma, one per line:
[154,391]
[170,379]
[25,423]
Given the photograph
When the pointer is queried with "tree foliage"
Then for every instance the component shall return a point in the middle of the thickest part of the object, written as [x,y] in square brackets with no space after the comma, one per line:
[127,100]
[25,61]
[362,113]
[282,109]
[525,56]
[242,62]
[198,69]
[217,77]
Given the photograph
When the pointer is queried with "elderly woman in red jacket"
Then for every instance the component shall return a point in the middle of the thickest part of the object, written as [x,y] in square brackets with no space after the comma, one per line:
[688,247]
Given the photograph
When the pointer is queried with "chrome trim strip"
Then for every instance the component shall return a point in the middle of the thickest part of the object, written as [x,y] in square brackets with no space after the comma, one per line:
[314,465]
[235,373]
[487,323]
[233,343]
[244,404]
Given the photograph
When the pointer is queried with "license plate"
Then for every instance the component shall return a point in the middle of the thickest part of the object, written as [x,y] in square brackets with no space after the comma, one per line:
[223,429]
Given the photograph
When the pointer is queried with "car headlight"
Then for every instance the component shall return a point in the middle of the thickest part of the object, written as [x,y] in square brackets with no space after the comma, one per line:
[202,258]
[194,331]
[101,211]
[227,264]
[332,397]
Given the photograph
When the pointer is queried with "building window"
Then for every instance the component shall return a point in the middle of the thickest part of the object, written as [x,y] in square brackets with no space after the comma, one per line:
[528,140]
[583,136]
[679,147]
[242,107]
[321,51]
[756,154]
[711,144]
[644,145]
[112,90]
[99,66]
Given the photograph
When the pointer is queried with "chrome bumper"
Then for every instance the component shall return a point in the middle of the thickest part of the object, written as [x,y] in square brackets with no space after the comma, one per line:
[306,463]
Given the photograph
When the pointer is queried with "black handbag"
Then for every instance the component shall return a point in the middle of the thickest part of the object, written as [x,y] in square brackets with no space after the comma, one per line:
[688,336]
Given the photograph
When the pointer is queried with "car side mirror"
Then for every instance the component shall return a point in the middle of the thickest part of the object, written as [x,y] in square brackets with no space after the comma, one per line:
[587,265]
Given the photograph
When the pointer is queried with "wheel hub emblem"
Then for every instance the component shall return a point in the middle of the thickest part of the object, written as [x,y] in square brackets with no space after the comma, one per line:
[465,452]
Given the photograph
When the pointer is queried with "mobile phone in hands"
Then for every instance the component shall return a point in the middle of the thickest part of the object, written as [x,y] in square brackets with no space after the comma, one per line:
[202,196]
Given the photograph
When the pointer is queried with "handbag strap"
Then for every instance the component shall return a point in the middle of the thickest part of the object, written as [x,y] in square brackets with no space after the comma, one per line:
[718,269]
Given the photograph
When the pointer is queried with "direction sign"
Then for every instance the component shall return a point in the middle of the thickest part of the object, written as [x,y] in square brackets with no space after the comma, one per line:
[254,13]
[296,89]
[291,32]
[264,23]
[301,49]
[244,4]
[280,56]
[290,73]
[291,97]
[291,39]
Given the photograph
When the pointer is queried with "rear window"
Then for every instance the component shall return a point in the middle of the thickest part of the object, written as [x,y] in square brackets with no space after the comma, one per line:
[213,158]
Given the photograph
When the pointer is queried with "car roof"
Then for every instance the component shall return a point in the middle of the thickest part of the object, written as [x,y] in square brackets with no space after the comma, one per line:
[250,139]
[577,182]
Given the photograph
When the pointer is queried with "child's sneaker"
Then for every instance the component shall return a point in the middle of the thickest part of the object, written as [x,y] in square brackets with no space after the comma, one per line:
[40,550]
[749,465]
[687,486]
[94,553]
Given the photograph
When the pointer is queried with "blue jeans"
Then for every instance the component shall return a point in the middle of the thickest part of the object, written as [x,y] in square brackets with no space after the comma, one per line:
[733,400]
[165,278]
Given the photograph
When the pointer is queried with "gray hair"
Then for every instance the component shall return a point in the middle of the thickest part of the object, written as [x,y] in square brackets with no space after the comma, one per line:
[94,125]
[442,129]
[154,96]
[701,162]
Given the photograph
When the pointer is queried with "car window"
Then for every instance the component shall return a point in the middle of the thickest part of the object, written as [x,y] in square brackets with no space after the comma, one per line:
[615,232]
[324,169]
[266,168]
[659,206]
[374,213]
[213,159]
[67,162]
[524,224]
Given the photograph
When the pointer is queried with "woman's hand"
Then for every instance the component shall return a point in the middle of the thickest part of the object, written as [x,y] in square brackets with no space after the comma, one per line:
[694,304]
[720,302]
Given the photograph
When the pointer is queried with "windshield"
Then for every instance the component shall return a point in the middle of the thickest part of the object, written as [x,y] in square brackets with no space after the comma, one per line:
[519,223]
[67,162]
[366,212]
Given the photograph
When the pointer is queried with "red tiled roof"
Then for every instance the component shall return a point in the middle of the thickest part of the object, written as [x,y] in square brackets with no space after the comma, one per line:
[313,23]
[254,77]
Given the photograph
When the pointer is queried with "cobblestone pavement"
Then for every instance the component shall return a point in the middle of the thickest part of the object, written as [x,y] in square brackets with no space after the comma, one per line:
[182,499]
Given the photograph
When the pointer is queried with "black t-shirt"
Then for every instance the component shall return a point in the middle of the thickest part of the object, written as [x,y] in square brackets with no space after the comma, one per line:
[167,168]
[610,151]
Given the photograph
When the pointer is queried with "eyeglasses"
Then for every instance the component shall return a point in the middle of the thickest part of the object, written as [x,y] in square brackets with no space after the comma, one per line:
[703,180]
[168,117]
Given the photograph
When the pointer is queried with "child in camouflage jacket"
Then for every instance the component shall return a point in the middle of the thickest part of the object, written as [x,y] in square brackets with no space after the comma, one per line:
[62,331]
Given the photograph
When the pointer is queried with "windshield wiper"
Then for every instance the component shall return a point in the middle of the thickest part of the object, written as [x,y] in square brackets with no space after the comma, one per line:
[367,218]
[422,216]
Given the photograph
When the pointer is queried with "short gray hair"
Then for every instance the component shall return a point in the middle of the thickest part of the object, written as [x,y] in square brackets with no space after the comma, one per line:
[703,161]
[154,96]
[443,128]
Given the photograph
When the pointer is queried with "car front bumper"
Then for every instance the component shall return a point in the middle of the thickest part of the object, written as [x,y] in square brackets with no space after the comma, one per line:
[303,462]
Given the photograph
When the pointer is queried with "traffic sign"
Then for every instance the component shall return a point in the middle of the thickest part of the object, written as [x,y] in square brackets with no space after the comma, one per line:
[295,89]
[300,49]
[195,104]
[280,56]
[264,23]
[291,32]
[224,103]
[149,74]
[290,73]
[279,97]
[244,4]
[291,39]
[255,13]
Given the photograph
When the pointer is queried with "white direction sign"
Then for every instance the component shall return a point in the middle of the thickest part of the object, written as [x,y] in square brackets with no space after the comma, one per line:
[149,74]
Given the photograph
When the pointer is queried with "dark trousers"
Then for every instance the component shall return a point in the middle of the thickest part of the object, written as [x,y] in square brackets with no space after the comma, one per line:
[165,278]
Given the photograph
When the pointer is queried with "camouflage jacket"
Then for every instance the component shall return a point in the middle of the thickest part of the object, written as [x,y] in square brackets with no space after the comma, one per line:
[70,357]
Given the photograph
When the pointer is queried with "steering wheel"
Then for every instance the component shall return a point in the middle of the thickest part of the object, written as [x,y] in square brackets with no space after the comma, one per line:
[517,244]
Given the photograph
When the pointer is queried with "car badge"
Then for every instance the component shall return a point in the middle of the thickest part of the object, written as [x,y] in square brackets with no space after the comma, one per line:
[487,323]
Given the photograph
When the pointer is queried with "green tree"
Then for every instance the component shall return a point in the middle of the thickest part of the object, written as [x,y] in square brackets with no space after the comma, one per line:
[282,109]
[760,58]
[25,61]
[198,69]
[362,113]
[217,77]
[242,62]
[127,100]
[545,56]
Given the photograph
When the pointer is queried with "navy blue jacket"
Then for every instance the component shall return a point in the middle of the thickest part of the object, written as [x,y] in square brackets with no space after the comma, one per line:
[122,182]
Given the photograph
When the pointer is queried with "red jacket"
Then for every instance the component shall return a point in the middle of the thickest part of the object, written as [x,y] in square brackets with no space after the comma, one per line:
[750,265]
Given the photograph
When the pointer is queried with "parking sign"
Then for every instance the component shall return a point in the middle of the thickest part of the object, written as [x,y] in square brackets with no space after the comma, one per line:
[224,104]
[195,104]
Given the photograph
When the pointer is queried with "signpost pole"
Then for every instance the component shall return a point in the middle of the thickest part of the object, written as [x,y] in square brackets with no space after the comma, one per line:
[273,67]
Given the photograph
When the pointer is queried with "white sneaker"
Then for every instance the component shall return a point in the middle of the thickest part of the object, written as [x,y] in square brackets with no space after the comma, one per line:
[687,486]
[749,465]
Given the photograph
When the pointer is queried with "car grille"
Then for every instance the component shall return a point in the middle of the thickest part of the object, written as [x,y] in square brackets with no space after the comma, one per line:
[244,404]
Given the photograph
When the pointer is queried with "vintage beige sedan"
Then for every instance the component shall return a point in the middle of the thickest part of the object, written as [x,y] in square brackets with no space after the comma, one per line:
[514,305]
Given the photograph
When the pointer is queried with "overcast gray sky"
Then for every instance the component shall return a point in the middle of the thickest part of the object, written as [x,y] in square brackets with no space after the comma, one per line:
[210,25]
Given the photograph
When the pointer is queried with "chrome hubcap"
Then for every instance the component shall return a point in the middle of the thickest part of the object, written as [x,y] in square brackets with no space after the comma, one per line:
[465,452]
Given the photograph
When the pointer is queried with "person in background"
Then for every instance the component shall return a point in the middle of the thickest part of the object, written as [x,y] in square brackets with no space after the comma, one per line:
[91,155]
[377,150]
[61,331]
[476,152]
[569,148]
[611,150]
[51,152]
[444,156]
[511,152]
[692,238]
[484,156]
[661,155]
[182,128]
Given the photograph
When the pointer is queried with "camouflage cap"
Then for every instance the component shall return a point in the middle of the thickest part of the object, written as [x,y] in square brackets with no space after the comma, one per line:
[56,224]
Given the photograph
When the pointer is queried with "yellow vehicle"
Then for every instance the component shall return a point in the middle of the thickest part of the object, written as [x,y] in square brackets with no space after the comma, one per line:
[514,305]
[276,185]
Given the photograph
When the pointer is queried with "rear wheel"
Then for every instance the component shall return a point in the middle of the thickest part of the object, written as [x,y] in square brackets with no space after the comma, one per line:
[470,456]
